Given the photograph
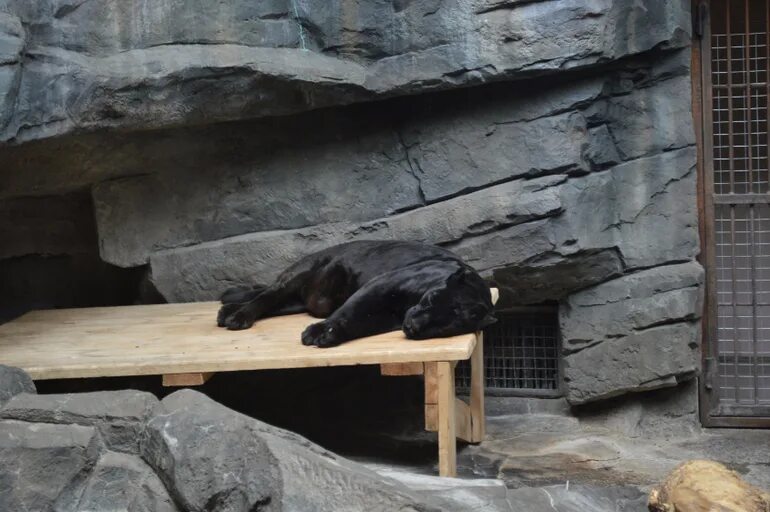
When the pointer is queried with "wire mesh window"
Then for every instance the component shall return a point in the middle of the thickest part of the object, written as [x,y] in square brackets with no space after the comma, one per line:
[521,354]
[743,302]
[740,60]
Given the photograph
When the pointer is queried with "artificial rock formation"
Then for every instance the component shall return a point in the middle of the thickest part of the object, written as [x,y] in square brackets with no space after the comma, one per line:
[547,142]
[128,451]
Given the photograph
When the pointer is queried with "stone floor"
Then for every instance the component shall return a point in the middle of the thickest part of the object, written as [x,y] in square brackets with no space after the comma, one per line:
[551,461]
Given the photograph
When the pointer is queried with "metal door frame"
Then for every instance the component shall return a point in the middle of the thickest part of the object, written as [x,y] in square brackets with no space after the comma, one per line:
[702,104]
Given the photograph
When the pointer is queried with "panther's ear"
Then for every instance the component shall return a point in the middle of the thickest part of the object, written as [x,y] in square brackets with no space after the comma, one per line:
[489,319]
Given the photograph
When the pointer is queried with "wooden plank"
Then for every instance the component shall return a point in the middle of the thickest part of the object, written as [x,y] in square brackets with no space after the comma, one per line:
[401,369]
[431,417]
[186,379]
[431,384]
[476,409]
[183,338]
[447,439]
[463,420]
[463,425]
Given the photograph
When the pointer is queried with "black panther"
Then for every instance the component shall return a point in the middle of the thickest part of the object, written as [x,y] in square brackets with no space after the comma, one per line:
[369,287]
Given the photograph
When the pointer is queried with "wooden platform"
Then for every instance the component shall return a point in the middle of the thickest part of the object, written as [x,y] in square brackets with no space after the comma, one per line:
[182,343]
[184,338]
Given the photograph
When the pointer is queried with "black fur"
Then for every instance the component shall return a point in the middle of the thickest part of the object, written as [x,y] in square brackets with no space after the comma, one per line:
[366,288]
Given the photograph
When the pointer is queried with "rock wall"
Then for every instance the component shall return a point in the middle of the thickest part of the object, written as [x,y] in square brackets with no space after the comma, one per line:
[126,450]
[571,180]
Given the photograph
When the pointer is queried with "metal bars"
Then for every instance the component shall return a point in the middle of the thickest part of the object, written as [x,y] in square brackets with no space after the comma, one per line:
[521,353]
[739,62]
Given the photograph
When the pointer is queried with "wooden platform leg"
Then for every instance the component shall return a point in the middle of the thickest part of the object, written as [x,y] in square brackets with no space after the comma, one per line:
[478,418]
[186,379]
[447,439]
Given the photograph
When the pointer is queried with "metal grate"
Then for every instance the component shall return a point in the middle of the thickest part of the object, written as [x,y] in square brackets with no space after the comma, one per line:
[739,56]
[739,89]
[743,302]
[521,352]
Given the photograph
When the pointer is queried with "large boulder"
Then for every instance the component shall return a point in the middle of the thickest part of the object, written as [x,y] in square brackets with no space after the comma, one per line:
[213,457]
[648,359]
[119,416]
[41,463]
[614,333]
[122,483]
[210,458]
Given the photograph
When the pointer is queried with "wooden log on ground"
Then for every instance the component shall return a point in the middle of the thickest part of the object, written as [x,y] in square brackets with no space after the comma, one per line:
[707,486]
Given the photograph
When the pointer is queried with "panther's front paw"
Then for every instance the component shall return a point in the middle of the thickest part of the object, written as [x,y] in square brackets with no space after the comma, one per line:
[239,320]
[226,311]
[321,335]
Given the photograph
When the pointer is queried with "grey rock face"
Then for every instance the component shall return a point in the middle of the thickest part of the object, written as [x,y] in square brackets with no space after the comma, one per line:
[119,415]
[123,483]
[613,334]
[211,462]
[252,461]
[14,381]
[362,173]
[176,271]
[558,185]
[633,363]
[340,181]
[41,463]
[631,303]
[182,57]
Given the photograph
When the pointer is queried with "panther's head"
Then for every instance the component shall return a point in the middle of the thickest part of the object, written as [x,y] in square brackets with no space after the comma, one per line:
[462,305]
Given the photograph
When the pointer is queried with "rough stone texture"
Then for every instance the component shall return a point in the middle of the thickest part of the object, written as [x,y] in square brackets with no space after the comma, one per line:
[122,483]
[211,461]
[622,313]
[119,415]
[631,303]
[42,463]
[199,134]
[646,359]
[13,381]
[660,414]
[182,58]
[422,153]
[601,240]
[57,452]
[247,461]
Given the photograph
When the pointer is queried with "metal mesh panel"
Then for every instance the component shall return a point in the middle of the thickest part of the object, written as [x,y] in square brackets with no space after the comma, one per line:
[521,352]
[739,87]
[743,302]
[739,56]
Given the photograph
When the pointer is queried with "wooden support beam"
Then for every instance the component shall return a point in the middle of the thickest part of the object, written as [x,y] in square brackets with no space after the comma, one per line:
[186,379]
[447,438]
[463,421]
[476,409]
[401,369]
[431,384]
